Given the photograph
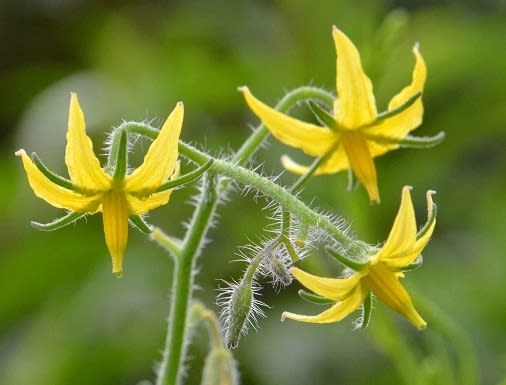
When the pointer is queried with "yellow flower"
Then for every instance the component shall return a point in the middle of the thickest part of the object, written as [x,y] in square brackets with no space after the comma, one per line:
[91,189]
[380,275]
[356,133]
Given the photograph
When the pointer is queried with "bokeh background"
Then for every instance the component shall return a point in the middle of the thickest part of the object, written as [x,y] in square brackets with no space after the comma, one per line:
[65,319]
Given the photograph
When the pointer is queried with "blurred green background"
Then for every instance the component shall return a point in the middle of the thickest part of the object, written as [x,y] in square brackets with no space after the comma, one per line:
[65,319]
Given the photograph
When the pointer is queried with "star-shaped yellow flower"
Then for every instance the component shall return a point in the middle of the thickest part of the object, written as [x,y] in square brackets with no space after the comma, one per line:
[356,133]
[380,275]
[91,189]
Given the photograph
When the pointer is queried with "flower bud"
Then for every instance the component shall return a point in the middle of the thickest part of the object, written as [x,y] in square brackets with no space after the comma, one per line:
[240,307]
[220,368]
[277,269]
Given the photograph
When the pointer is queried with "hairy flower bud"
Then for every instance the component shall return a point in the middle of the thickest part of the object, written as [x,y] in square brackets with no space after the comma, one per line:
[279,271]
[240,307]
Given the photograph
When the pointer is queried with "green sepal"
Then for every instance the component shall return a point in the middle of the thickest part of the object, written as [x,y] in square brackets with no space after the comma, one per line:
[351,181]
[429,222]
[314,298]
[411,141]
[139,223]
[59,223]
[323,116]
[389,113]
[366,311]
[241,303]
[55,178]
[357,266]
[187,178]
[119,155]
[414,265]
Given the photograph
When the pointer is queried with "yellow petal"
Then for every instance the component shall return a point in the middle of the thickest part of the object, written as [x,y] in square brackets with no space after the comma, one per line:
[402,237]
[386,286]
[356,105]
[83,166]
[395,263]
[361,162]
[336,162]
[53,194]
[160,160]
[377,148]
[115,217]
[336,312]
[313,140]
[399,125]
[141,206]
[332,288]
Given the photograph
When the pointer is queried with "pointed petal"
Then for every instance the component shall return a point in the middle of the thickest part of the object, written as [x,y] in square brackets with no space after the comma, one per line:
[336,289]
[313,140]
[399,125]
[115,217]
[361,163]
[140,206]
[356,105]
[336,312]
[160,160]
[385,284]
[83,166]
[336,162]
[402,237]
[54,194]
[396,263]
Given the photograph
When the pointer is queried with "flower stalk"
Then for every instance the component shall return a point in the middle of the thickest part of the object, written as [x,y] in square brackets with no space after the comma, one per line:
[173,355]
[182,286]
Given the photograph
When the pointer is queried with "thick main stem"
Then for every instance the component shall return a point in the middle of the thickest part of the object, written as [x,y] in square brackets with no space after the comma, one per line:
[182,285]
[173,356]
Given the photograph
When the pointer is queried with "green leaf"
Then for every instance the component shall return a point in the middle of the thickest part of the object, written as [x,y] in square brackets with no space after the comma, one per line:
[323,116]
[414,265]
[55,178]
[59,223]
[411,141]
[187,178]
[366,311]
[357,266]
[389,113]
[314,298]
[140,224]
[119,155]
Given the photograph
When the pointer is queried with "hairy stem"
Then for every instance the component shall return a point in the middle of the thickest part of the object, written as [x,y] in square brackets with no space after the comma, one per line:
[182,285]
[282,196]
[174,352]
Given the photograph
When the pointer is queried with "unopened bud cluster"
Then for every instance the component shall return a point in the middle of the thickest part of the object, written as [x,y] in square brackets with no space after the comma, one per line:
[269,260]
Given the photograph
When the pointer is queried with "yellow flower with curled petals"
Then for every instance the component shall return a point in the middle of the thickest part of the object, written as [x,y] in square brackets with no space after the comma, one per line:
[92,189]
[355,132]
[380,275]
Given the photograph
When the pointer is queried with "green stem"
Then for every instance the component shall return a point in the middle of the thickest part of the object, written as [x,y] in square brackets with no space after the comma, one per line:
[284,198]
[167,242]
[173,356]
[182,285]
